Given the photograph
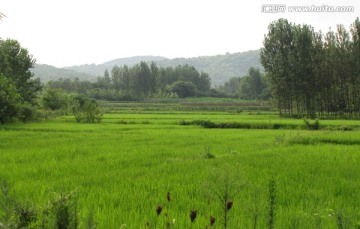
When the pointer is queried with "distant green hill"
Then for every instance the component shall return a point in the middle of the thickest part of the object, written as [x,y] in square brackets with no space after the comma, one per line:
[220,67]
[48,72]
[99,69]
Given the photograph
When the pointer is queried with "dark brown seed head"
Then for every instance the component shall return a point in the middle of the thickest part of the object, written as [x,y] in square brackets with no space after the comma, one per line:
[158,210]
[229,205]
[212,220]
[193,215]
[167,225]
[168,197]
[166,214]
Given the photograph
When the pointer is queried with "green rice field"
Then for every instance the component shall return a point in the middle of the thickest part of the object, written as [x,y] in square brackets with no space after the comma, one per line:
[123,168]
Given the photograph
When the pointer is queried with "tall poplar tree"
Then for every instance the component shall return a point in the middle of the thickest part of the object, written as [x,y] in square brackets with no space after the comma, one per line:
[275,57]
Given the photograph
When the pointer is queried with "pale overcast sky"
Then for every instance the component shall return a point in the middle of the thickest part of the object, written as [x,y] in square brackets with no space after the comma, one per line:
[73,32]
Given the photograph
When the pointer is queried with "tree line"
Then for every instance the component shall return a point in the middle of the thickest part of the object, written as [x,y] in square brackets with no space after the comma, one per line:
[145,80]
[23,98]
[141,81]
[252,86]
[311,73]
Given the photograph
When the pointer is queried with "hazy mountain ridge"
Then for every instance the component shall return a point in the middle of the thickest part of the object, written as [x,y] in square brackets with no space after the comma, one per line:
[220,67]
[47,72]
[99,69]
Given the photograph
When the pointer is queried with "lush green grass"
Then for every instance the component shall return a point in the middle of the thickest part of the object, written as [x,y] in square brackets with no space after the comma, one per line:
[125,165]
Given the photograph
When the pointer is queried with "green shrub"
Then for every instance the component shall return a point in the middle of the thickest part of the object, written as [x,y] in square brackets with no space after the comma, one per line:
[27,113]
[54,99]
[86,110]
[9,100]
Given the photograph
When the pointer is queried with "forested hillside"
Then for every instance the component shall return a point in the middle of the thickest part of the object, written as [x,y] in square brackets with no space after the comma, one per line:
[220,67]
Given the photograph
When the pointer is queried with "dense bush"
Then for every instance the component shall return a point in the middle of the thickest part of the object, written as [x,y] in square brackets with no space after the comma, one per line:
[86,110]
[16,84]
[182,89]
[27,113]
[54,99]
[9,100]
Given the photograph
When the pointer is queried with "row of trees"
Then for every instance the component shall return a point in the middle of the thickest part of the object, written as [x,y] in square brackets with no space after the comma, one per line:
[22,97]
[311,73]
[253,86]
[141,81]
[145,80]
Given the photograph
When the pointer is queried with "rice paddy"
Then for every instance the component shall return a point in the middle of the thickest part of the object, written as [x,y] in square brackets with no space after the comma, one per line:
[124,168]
